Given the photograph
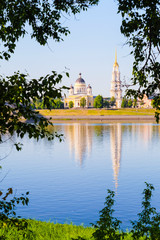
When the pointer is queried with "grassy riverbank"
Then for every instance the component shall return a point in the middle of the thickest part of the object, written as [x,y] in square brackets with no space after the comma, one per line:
[38,230]
[45,230]
[98,112]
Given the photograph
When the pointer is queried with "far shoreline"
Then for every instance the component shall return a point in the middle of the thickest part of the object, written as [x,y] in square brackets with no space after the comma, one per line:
[98,114]
[103,118]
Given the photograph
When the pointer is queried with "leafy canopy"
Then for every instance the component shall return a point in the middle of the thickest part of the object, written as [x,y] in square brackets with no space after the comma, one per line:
[43,18]
[54,104]
[8,216]
[141,27]
[16,101]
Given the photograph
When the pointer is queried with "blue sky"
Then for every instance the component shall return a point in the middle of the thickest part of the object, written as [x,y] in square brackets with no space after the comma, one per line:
[89,49]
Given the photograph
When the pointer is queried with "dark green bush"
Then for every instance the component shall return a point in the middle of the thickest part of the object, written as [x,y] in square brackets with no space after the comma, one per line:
[8,217]
[108,226]
[147,226]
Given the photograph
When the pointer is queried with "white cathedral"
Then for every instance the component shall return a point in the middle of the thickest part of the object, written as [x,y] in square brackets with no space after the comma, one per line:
[80,90]
[116,85]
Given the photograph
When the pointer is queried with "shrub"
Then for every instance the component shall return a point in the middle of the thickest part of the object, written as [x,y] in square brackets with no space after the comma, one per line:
[83,102]
[124,103]
[8,218]
[113,101]
[108,226]
[130,103]
[106,104]
[148,224]
[98,102]
[71,104]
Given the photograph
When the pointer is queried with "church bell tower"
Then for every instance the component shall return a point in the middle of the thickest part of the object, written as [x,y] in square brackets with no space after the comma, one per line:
[116,90]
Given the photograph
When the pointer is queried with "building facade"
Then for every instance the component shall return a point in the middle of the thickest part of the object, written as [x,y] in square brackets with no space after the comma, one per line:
[78,91]
[116,88]
[146,102]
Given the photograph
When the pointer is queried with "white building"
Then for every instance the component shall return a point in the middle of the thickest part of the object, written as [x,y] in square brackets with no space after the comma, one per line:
[80,90]
[116,90]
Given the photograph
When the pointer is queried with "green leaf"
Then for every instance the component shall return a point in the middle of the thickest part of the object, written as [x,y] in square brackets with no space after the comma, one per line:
[67,74]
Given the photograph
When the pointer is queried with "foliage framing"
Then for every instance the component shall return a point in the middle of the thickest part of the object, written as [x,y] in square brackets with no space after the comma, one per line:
[8,217]
[148,224]
[107,227]
[15,105]
[141,26]
[146,227]
[44,19]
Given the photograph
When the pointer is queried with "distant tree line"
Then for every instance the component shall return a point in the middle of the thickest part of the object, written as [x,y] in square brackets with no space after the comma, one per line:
[54,104]
[100,102]
[127,103]
[82,103]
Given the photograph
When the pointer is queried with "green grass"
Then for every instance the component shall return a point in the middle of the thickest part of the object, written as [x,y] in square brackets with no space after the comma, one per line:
[38,230]
[94,112]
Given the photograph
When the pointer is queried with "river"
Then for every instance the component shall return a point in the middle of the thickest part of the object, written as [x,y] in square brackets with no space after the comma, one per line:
[68,181]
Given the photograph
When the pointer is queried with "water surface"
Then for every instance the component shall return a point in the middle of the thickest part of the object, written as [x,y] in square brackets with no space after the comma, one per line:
[68,181]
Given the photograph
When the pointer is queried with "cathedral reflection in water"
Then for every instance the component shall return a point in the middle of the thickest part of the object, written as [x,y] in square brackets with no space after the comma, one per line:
[80,143]
[116,145]
[80,138]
